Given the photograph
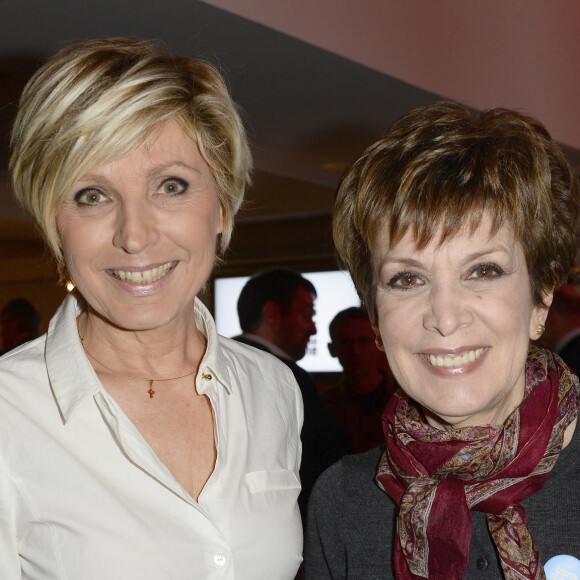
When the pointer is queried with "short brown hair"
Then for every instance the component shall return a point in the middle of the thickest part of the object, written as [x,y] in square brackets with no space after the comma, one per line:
[100,99]
[443,166]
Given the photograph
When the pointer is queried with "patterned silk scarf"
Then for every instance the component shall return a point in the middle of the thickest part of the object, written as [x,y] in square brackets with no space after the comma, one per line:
[436,477]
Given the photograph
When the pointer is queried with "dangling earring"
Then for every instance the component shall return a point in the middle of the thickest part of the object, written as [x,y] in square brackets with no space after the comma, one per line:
[540,329]
[64,278]
[379,342]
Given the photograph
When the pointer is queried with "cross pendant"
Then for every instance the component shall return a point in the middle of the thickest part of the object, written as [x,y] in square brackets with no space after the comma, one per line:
[151,391]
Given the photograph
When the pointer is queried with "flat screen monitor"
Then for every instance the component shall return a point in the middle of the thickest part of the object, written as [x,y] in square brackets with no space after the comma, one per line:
[335,291]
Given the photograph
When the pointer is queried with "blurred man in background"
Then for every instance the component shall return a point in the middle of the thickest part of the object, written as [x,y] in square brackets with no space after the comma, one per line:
[358,399]
[20,323]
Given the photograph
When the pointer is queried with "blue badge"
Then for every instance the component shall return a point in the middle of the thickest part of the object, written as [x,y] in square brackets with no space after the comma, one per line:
[562,568]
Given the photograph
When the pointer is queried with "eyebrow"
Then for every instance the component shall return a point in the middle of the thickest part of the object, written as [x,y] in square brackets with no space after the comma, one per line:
[411,262]
[153,172]
[172,164]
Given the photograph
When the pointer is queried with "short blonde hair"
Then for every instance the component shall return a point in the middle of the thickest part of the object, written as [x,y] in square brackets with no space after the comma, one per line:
[443,166]
[101,99]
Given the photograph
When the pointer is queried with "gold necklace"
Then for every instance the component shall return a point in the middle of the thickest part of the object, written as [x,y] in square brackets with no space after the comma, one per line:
[150,381]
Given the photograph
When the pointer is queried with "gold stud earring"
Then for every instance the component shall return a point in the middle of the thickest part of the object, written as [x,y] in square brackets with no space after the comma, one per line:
[540,329]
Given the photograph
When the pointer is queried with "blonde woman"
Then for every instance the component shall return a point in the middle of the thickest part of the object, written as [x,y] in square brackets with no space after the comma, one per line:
[136,442]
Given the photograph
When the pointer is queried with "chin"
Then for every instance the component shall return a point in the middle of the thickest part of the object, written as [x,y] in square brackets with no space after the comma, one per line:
[140,321]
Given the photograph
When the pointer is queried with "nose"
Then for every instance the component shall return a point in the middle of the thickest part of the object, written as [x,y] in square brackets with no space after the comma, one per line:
[312,328]
[136,228]
[447,309]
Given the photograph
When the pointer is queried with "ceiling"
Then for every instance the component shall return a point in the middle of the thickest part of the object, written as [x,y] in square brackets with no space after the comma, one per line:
[511,53]
[318,80]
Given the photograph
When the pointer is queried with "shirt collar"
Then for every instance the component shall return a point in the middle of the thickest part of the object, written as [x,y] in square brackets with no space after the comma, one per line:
[71,375]
[73,379]
[213,361]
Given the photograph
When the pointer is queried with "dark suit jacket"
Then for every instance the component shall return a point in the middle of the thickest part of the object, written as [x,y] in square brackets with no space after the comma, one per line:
[324,441]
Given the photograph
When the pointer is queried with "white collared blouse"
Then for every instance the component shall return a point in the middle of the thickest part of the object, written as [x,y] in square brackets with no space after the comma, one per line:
[84,497]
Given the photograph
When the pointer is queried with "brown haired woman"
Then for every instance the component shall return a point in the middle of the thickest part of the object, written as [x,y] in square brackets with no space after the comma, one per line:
[457,227]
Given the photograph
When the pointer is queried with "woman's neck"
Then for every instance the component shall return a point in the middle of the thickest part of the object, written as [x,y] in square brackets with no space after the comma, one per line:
[158,352]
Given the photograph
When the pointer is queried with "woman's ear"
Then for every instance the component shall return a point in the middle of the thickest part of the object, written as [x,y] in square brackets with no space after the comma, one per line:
[548,297]
[378,338]
[538,319]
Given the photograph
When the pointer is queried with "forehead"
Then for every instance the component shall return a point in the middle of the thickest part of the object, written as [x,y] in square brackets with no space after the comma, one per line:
[167,143]
[302,298]
[467,237]
[136,148]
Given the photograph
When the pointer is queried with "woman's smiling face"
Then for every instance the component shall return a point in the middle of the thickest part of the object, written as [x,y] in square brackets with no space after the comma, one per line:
[456,320]
[139,233]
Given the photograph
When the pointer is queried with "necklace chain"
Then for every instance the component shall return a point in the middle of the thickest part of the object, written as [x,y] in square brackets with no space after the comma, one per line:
[150,381]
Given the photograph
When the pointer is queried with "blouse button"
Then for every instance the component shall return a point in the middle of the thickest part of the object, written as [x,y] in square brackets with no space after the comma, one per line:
[482,563]
[219,559]
[206,376]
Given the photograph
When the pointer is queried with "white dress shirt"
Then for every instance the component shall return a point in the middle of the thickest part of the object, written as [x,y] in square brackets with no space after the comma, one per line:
[84,497]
